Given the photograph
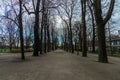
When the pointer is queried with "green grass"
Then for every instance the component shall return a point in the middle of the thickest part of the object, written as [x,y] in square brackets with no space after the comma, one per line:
[116,55]
[5,50]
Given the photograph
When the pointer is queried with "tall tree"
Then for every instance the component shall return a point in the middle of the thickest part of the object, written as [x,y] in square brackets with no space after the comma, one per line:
[21,29]
[36,8]
[93,25]
[84,49]
[101,22]
[48,36]
[17,19]
[68,8]
[36,30]
[44,24]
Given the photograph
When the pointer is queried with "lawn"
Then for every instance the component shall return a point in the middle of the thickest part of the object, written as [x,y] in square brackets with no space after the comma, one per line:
[116,55]
[7,50]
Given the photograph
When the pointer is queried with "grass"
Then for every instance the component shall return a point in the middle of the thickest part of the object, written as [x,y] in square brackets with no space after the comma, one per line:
[6,50]
[116,55]
[18,50]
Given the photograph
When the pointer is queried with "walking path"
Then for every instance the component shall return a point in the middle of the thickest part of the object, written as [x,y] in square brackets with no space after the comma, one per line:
[58,65]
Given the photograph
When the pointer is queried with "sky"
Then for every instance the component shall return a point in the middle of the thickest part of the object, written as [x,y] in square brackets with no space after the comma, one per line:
[1,9]
[115,17]
[59,22]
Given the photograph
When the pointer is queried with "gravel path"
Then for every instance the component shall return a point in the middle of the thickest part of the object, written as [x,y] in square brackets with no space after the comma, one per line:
[58,65]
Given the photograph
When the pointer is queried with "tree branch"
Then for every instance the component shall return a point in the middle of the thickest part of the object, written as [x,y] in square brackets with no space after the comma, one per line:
[10,19]
[28,10]
[109,13]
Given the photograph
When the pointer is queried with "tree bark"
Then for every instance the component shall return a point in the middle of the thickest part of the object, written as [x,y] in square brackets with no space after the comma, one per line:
[101,28]
[41,37]
[93,25]
[80,37]
[48,39]
[84,43]
[71,37]
[36,30]
[109,31]
[21,31]
[102,44]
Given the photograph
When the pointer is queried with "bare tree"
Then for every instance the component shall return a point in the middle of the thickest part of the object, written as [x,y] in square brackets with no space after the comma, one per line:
[36,8]
[93,25]
[101,22]
[84,49]
[21,29]
[69,7]
[36,29]
[28,31]
[18,21]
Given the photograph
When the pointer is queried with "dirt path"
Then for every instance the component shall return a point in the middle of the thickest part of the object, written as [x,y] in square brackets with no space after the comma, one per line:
[58,65]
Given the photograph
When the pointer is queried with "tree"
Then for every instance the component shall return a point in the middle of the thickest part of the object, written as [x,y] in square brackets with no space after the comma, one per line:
[10,28]
[52,28]
[77,36]
[44,22]
[28,31]
[48,35]
[68,8]
[36,30]
[93,25]
[17,19]
[101,22]
[21,29]
[36,8]
[84,49]
[47,11]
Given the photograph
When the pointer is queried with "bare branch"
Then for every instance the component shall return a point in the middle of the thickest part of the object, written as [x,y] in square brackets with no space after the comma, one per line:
[109,13]
[10,19]
[28,10]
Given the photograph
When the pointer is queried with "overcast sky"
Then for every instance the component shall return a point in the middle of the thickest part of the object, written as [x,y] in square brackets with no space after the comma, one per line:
[115,17]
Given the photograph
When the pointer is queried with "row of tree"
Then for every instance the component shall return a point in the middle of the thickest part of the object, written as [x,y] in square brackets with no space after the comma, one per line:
[95,14]
[34,21]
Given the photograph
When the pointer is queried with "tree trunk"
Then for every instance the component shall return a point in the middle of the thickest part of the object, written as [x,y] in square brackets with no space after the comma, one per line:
[52,35]
[21,31]
[41,39]
[45,45]
[102,44]
[110,39]
[84,43]
[93,25]
[71,39]
[10,43]
[48,39]
[80,38]
[93,39]
[101,22]
[36,30]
